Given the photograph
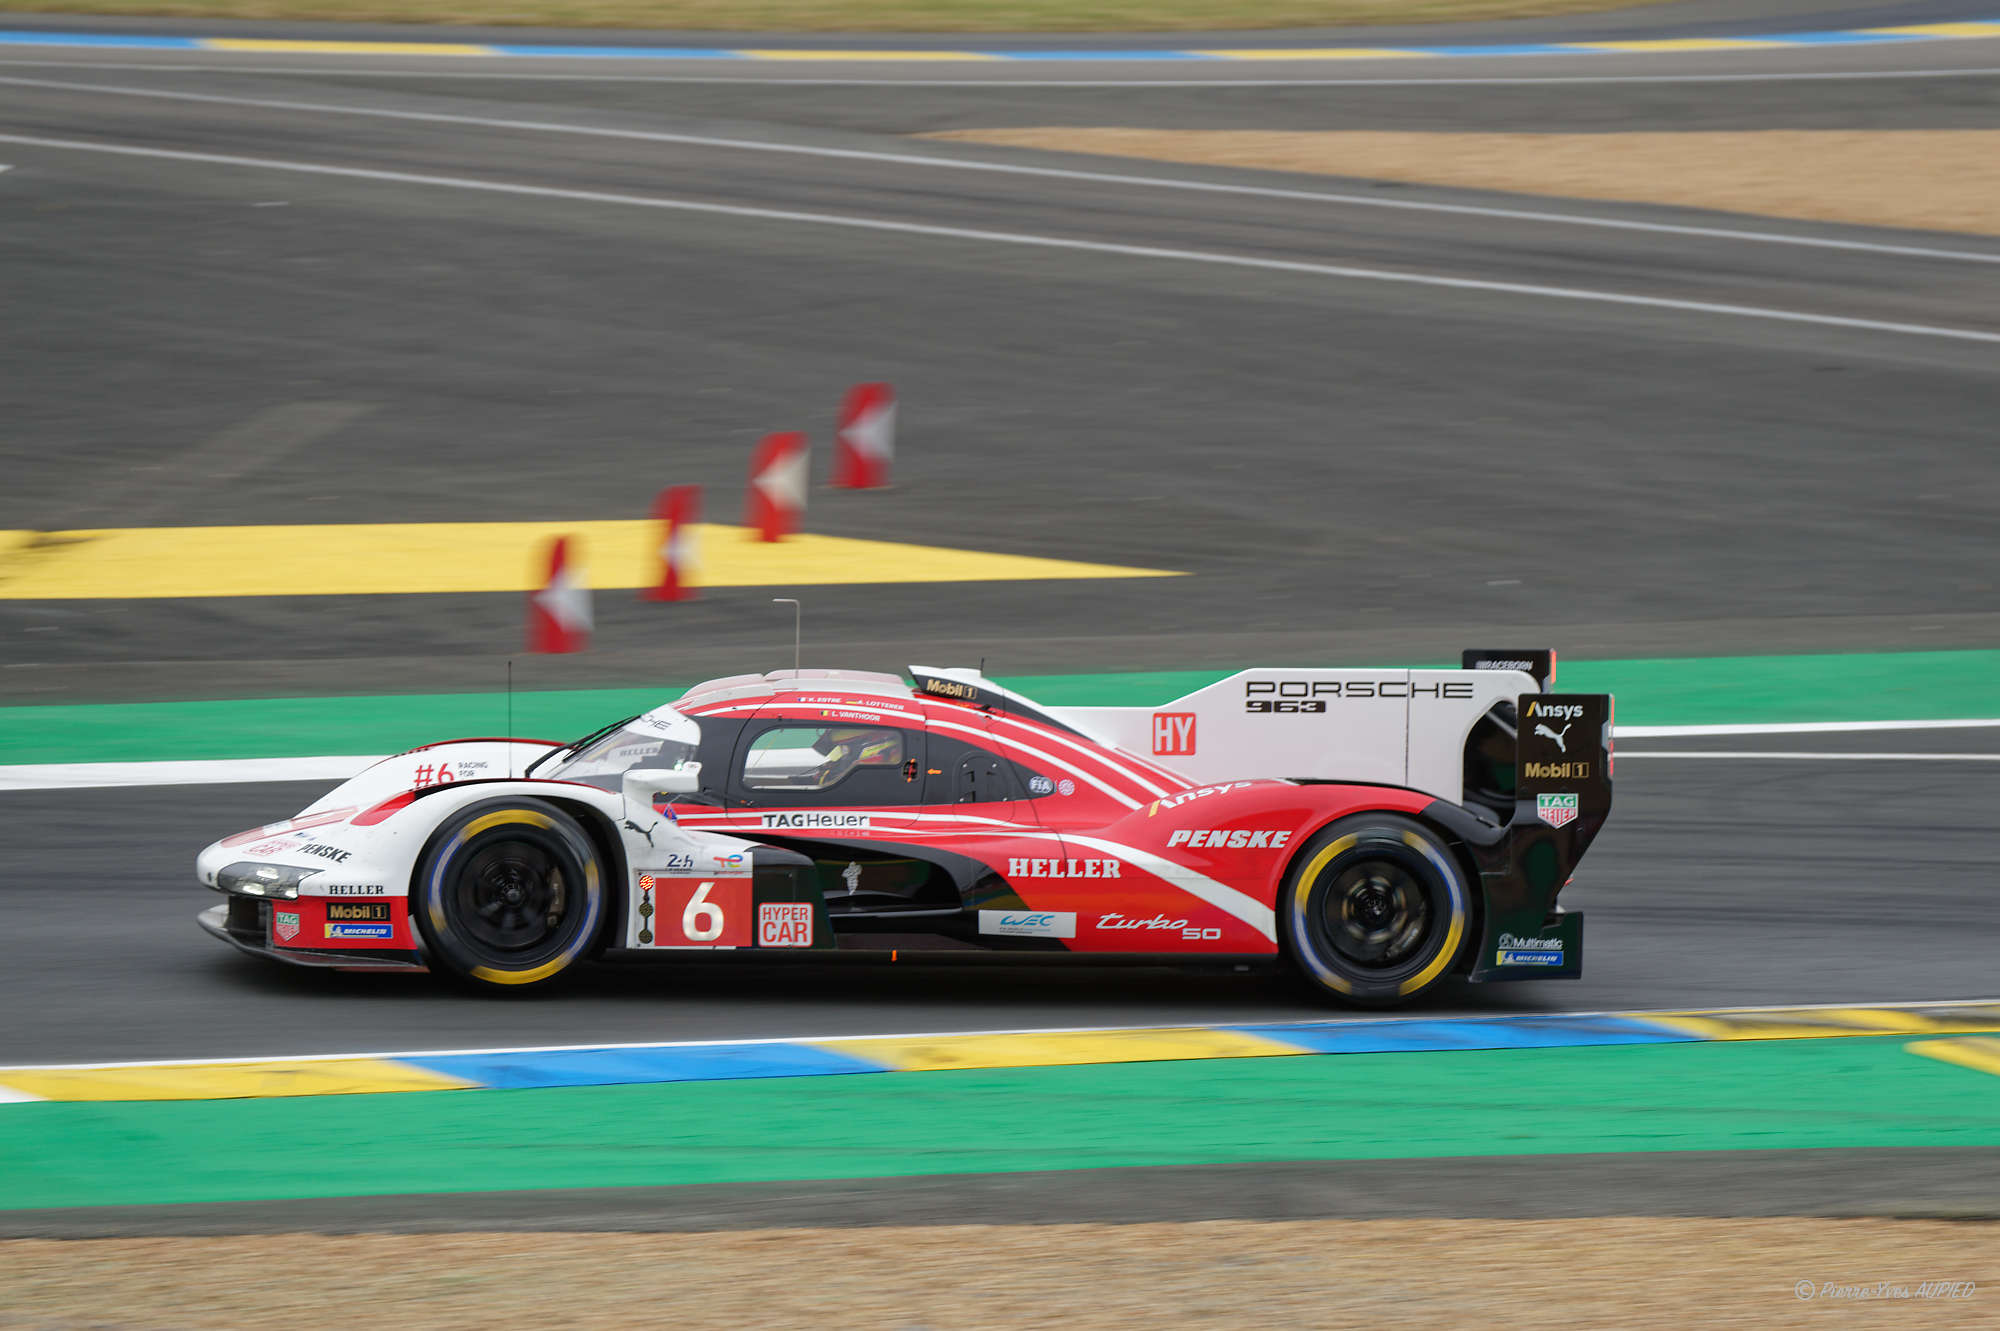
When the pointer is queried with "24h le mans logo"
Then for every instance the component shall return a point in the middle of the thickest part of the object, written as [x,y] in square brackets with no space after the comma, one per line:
[1555,810]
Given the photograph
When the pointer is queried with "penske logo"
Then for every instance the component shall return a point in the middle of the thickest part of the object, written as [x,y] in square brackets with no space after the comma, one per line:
[1238,838]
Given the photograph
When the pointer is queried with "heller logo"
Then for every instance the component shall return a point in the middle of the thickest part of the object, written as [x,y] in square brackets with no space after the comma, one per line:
[1556,810]
[1024,868]
[785,924]
[1028,923]
[1173,734]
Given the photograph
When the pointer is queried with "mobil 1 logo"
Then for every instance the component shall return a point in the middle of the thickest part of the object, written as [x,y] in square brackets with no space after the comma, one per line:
[1562,751]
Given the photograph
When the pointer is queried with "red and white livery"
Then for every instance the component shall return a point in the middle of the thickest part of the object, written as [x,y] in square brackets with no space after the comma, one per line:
[1377,831]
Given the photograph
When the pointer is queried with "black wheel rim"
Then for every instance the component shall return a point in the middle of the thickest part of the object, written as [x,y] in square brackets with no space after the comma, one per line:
[511,897]
[1376,915]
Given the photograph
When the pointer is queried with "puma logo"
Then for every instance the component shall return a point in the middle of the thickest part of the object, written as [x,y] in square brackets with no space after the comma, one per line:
[1561,743]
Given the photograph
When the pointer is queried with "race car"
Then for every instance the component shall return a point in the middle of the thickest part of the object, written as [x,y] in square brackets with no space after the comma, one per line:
[1375,831]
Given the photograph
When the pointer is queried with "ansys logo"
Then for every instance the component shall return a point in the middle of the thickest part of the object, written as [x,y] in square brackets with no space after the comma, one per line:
[1556,810]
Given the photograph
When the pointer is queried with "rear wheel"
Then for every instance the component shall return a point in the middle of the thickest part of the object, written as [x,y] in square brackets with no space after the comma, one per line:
[1376,910]
[510,894]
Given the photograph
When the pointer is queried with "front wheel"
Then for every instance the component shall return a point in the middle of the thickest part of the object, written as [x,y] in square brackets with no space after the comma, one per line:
[1375,911]
[510,893]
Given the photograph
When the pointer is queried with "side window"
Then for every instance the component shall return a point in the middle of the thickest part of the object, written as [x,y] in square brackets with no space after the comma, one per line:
[963,773]
[791,764]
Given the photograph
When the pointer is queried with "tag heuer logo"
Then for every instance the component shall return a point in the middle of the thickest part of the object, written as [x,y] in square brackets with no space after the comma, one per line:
[285,923]
[1555,810]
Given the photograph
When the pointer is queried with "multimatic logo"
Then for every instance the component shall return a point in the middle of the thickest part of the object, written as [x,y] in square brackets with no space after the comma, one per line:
[1291,696]
[1517,950]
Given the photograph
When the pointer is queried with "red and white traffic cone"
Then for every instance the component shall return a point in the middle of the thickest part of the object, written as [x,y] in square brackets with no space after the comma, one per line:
[776,504]
[677,508]
[865,442]
[559,614]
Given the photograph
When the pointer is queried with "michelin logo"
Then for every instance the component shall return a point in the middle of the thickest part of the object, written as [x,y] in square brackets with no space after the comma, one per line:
[1028,923]
[1516,950]
[815,820]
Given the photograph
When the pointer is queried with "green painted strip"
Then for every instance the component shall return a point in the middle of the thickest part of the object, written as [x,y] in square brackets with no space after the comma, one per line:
[1883,686]
[1721,1096]
[281,727]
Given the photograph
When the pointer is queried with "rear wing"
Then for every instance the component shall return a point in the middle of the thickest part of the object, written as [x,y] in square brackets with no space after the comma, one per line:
[1391,727]
[1562,797]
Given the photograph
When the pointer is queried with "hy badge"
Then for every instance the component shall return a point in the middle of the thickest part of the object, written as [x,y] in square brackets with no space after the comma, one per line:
[1556,810]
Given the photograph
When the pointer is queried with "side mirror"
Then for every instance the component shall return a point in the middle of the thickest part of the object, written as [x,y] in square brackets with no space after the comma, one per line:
[643,785]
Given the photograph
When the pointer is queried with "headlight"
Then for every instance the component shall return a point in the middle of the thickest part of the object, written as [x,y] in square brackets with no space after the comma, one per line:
[263,880]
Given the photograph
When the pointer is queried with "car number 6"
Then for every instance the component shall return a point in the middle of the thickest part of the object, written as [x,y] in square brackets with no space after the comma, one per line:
[702,921]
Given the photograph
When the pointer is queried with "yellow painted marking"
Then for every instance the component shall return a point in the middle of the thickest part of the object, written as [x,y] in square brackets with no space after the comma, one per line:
[866,55]
[228,1081]
[1320,53]
[1675,44]
[342,48]
[360,560]
[1972,29]
[942,1053]
[1981,1055]
[1813,1023]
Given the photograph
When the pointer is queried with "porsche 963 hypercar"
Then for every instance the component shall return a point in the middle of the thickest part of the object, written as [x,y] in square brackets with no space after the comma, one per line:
[1377,831]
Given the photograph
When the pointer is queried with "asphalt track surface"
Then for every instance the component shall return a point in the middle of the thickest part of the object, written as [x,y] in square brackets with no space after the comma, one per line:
[1348,468]
[1718,882]
[1340,462]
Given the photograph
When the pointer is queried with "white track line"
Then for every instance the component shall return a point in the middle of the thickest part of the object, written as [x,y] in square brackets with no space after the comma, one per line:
[1435,280]
[1799,728]
[929,162]
[1358,1021]
[974,82]
[224,771]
